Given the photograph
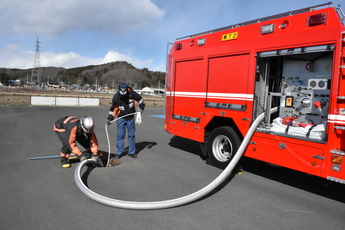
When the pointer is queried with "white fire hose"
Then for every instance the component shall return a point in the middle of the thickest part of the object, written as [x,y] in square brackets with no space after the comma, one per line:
[138,121]
[173,202]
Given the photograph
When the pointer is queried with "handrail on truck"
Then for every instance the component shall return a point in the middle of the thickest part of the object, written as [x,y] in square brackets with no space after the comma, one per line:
[289,13]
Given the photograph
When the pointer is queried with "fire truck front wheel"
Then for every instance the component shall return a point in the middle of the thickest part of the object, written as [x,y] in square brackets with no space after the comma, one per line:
[222,146]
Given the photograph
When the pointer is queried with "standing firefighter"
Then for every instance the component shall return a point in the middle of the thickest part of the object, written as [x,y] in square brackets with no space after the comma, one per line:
[71,129]
[123,105]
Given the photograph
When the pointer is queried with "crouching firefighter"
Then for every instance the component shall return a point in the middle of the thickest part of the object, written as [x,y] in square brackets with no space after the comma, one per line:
[71,129]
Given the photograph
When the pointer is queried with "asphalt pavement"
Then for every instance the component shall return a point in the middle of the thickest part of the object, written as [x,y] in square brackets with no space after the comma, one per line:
[40,194]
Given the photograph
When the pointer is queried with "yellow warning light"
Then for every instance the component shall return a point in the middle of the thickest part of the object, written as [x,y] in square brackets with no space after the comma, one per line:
[336,159]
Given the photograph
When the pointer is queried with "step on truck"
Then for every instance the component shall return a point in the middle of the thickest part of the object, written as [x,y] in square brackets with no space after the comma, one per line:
[219,81]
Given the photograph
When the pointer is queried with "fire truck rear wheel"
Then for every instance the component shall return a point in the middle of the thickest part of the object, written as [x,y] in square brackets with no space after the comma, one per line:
[223,145]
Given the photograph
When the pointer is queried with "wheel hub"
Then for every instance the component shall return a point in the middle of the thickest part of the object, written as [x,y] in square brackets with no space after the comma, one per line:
[222,148]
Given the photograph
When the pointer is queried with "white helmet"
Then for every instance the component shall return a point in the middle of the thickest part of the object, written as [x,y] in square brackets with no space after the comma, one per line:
[87,124]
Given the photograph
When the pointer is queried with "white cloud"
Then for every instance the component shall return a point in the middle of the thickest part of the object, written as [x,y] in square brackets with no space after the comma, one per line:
[15,56]
[66,60]
[60,17]
[112,56]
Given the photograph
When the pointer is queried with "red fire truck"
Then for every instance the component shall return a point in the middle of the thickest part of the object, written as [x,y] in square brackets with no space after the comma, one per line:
[218,82]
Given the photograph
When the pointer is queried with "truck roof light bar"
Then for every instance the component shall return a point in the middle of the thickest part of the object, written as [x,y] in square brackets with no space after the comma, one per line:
[308,9]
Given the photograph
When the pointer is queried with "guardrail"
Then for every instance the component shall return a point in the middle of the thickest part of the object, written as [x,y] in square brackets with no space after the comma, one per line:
[27,100]
[64,101]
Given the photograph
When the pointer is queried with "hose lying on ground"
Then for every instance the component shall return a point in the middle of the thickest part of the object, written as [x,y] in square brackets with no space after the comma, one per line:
[173,202]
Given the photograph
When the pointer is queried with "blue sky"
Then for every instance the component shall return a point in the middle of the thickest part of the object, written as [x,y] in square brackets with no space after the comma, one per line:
[75,33]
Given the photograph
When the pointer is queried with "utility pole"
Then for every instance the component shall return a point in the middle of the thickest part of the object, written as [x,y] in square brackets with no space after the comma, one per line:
[35,74]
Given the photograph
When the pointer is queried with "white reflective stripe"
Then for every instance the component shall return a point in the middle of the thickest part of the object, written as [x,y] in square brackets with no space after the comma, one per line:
[338,122]
[333,118]
[190,94]
[233,96]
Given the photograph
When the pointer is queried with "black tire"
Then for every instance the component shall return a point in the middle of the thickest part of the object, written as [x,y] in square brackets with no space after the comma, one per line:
[222,146]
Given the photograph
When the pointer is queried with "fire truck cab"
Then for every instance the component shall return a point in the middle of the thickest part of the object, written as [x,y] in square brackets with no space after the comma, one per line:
[218,82]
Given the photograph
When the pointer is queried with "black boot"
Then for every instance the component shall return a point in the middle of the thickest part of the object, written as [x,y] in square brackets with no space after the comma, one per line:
[65,163]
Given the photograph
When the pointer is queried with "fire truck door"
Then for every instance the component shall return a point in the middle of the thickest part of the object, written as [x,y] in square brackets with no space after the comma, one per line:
[189,96]
[228,82]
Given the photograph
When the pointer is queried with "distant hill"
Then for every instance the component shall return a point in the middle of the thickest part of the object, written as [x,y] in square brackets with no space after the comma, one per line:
[105,75]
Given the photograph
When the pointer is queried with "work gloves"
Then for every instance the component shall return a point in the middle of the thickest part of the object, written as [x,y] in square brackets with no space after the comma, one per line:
[82,157]
[96,158]
[138,117]
[110,118]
